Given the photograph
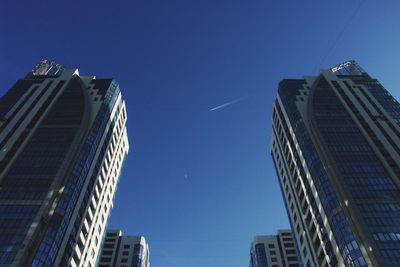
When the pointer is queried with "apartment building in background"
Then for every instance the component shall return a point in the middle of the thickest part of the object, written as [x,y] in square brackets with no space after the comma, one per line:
[124,251]
[274,250]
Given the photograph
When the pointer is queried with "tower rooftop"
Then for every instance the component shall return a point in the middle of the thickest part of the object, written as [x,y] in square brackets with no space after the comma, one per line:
[350,67]
[47,67]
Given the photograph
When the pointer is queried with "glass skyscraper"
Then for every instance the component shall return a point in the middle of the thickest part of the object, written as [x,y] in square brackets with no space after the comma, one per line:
[62,145]
[336,148]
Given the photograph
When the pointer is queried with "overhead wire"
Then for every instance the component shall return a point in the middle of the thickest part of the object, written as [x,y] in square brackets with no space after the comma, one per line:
[339,35]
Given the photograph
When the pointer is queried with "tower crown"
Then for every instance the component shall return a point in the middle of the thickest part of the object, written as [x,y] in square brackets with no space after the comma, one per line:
[47,67]
[350,67]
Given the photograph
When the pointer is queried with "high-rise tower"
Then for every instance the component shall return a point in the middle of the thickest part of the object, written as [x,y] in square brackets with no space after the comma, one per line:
[62,145]
[336,149]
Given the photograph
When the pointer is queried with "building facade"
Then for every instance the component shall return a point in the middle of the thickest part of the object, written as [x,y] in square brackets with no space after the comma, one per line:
[274,250]
[62,145]
[336,149]
[124,251]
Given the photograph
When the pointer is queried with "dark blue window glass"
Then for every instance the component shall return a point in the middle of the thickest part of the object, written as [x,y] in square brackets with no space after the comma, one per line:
[33,173]
[46,254]
[288,92]
[261,256]
[360,175]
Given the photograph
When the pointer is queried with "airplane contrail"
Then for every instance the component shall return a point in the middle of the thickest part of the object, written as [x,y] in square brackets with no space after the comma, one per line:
[229,103]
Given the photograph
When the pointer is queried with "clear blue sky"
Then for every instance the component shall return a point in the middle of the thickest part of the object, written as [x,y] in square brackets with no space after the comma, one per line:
[199,184]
